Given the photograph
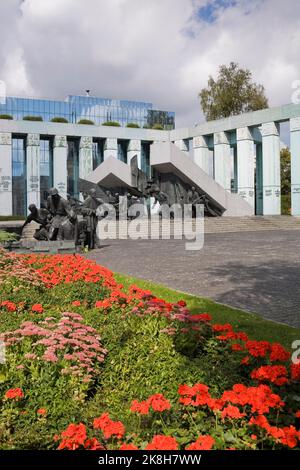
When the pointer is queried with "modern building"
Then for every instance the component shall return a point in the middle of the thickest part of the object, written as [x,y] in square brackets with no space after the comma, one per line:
[235,161]
[98,110]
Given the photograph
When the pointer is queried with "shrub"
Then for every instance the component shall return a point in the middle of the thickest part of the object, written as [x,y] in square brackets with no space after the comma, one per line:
[5,116]
[111,123]
[158,127]
[59,119]
[133,125]
[146,126]
[32,118]
[7,237]
[86,121]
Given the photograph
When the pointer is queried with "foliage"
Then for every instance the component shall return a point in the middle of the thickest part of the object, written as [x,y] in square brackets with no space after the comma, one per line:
[59,119]
[32,118]
[86,121]
[6,116]
[4,218]
[134,125]
[286,204]
[111,123]
[231,93]
[7,236]
[158,127]
[285,170]
[92,364]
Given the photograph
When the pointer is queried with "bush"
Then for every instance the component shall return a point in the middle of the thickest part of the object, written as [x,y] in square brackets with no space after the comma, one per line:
[111,123]
[133,125]
[86,121]
[146,126]
[158,127]
[60,119]
[5,116]
[32,118]
[7,237]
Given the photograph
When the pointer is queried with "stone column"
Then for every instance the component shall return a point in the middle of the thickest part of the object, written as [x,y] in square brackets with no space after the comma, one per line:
[5,174]
[33,169]
[271,168]
[222,160]
[201,152]
[295,165]
[60,172]
[85,157]
[182,145]
[111,148]
[135,148]
[245,164]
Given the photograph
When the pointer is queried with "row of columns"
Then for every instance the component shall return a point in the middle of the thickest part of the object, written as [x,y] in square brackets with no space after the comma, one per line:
[245,163]
[60,172]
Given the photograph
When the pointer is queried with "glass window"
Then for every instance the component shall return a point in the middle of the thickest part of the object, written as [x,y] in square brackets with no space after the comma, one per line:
[19,187]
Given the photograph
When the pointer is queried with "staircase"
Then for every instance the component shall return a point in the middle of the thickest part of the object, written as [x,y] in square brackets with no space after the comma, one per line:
[251,224]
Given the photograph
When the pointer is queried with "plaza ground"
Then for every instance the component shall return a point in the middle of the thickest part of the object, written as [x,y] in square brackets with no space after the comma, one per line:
[256,271]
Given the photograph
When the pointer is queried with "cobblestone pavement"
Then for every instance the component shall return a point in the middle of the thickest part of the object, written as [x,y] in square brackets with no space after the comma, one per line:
[255,271]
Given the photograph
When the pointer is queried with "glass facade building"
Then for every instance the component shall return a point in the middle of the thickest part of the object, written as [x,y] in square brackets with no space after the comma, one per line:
[98,110]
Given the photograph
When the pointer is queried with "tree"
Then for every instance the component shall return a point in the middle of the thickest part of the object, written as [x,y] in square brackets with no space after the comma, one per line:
[232,93]
[285,164]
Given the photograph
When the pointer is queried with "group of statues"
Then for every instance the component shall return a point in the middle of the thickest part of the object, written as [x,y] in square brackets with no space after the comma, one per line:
[66,219]
[73,219]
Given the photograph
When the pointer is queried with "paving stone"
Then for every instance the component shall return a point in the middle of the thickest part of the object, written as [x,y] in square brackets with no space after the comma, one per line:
[257,271]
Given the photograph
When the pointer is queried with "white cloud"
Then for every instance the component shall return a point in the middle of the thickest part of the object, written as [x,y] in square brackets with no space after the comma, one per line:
[146,50]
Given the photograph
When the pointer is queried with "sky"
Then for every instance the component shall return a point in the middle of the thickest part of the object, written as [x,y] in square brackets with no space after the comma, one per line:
[159,51]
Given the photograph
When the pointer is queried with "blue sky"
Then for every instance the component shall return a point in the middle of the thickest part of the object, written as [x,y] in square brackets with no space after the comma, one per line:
[210,10]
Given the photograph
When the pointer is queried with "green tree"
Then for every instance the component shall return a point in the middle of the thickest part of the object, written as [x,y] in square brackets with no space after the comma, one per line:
[285,164]
[232,93]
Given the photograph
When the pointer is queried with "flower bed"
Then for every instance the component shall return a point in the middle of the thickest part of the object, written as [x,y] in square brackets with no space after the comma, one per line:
[90,365]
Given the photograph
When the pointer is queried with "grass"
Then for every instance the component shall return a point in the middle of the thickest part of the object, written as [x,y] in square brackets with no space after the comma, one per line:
[254,325]
[8,218]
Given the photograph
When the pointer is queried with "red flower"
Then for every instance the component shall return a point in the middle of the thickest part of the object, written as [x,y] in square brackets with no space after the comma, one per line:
[200,317]
[140,407]
[159,403]
[93,444]
[109,427]
[202,443]
[161,442]
[73,437]
[76,303]
[37,308]
[42,411]
[10,306]
[295,372]
[14,393]
[274,374]
[297,414]
[181,303]
[258,348]
[279,353]
[128,447]
[232,412]
[237,347]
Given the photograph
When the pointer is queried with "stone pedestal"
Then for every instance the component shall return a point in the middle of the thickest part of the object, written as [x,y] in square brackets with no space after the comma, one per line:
[60,172]
[245,164]
[33,169]
[271,168]
[134,148]
[85,157]
[5,174]
[222,160]
[201,153]
[295,165]
[110,148]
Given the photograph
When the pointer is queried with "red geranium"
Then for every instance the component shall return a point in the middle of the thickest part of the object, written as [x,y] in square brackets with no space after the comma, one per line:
[38,308]
[14,393]
[161,442]
[202,443]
